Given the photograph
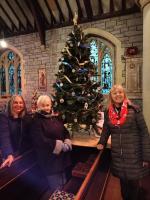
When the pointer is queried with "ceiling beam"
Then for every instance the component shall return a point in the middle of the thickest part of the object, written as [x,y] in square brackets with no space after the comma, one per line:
[13,11]
[88,9]
[53,20]
[38,19]
[80,14]
[111,9]
[100,7]
[69,10]
[123,4]
[29,24]
[13,24]
[61,16]
[3,26]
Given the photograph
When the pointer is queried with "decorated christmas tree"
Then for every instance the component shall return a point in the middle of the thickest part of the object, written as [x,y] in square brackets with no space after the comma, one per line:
[78,97]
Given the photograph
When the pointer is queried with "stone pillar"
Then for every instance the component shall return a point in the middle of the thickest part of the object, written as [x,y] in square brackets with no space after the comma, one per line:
[145,5]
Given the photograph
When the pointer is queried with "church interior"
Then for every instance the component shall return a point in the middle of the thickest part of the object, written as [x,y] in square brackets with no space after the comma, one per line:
[34,34]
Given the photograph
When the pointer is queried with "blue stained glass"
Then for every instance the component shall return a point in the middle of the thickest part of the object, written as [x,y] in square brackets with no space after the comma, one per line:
[94,57]
[3,80]
[19,79]
[106,73]
[11,55]
[101,57]
[11,73]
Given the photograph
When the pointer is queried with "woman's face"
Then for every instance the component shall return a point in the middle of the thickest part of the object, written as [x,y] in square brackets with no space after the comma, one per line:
[118,95]
[46,106]
[18,105]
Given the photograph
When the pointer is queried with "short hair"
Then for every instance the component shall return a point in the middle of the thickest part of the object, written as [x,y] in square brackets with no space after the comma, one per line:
[116,86]
[10,106]
[42,99]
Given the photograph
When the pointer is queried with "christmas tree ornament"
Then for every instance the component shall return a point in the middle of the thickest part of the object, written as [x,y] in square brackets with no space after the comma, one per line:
[75,120]
[93,120]
[63,117]
[73,94]
[86,106]
[61,100]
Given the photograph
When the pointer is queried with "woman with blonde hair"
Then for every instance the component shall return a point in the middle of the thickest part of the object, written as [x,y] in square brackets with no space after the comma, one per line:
[52,143]
[130,142]
[14,126]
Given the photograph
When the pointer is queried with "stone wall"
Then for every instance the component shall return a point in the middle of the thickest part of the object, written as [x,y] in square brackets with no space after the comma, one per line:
[128,29]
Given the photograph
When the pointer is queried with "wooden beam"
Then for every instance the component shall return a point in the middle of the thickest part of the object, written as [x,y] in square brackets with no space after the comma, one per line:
[61,16]
[88,8]
[38,19]
[3,26]
[53,20]
[80,14]
[111,9]
[29,24]
[13,11]
[69,10]
[13,24]
[100,6]
[123,5]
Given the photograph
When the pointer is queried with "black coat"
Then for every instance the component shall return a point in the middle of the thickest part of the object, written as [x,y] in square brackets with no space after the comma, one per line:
[44,132]
[130,145]
[14,134]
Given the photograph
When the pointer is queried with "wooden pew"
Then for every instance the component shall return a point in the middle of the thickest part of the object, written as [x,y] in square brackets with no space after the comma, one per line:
[94,184]
[23,180]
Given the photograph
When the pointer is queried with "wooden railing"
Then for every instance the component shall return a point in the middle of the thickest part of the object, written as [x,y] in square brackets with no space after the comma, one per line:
[86,182]
[99,170]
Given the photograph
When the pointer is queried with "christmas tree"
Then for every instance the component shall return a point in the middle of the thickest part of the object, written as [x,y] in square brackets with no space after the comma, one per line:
[78,97]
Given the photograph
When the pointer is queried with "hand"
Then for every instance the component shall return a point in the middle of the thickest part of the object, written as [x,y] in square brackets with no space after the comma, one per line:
[7,162]
[100,147]
[65,147]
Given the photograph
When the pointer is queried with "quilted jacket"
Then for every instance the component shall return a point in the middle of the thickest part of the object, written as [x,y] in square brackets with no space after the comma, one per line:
[130,145]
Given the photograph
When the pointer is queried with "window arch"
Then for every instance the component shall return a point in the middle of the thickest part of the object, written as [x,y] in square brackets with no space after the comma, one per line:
[102,55]
[10,73]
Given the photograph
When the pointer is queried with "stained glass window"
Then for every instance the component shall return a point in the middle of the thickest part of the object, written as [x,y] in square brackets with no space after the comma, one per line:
[11,73]
[106,73]
[94,57]
[19,79]
[3,80]
[11,55]
[101,56]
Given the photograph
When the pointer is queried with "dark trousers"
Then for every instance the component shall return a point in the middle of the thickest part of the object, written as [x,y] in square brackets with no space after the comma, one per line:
[130,189]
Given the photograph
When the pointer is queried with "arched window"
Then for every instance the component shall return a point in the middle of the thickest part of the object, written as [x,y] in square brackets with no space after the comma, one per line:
[10,73]
[102,55]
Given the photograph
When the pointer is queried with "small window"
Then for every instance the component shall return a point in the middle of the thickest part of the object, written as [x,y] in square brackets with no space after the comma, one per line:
[10,73]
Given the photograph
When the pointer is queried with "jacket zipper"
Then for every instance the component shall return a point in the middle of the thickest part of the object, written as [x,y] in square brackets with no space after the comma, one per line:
[121,144]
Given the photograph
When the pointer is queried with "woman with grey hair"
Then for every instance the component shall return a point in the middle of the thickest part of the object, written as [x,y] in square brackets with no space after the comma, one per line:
[14,126]
[52,143]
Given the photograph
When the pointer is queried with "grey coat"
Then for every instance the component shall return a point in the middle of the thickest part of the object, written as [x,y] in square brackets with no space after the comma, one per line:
[130,145]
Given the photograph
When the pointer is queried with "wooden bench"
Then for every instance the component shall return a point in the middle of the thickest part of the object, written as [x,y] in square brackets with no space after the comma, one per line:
[23,180]
[94,184]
